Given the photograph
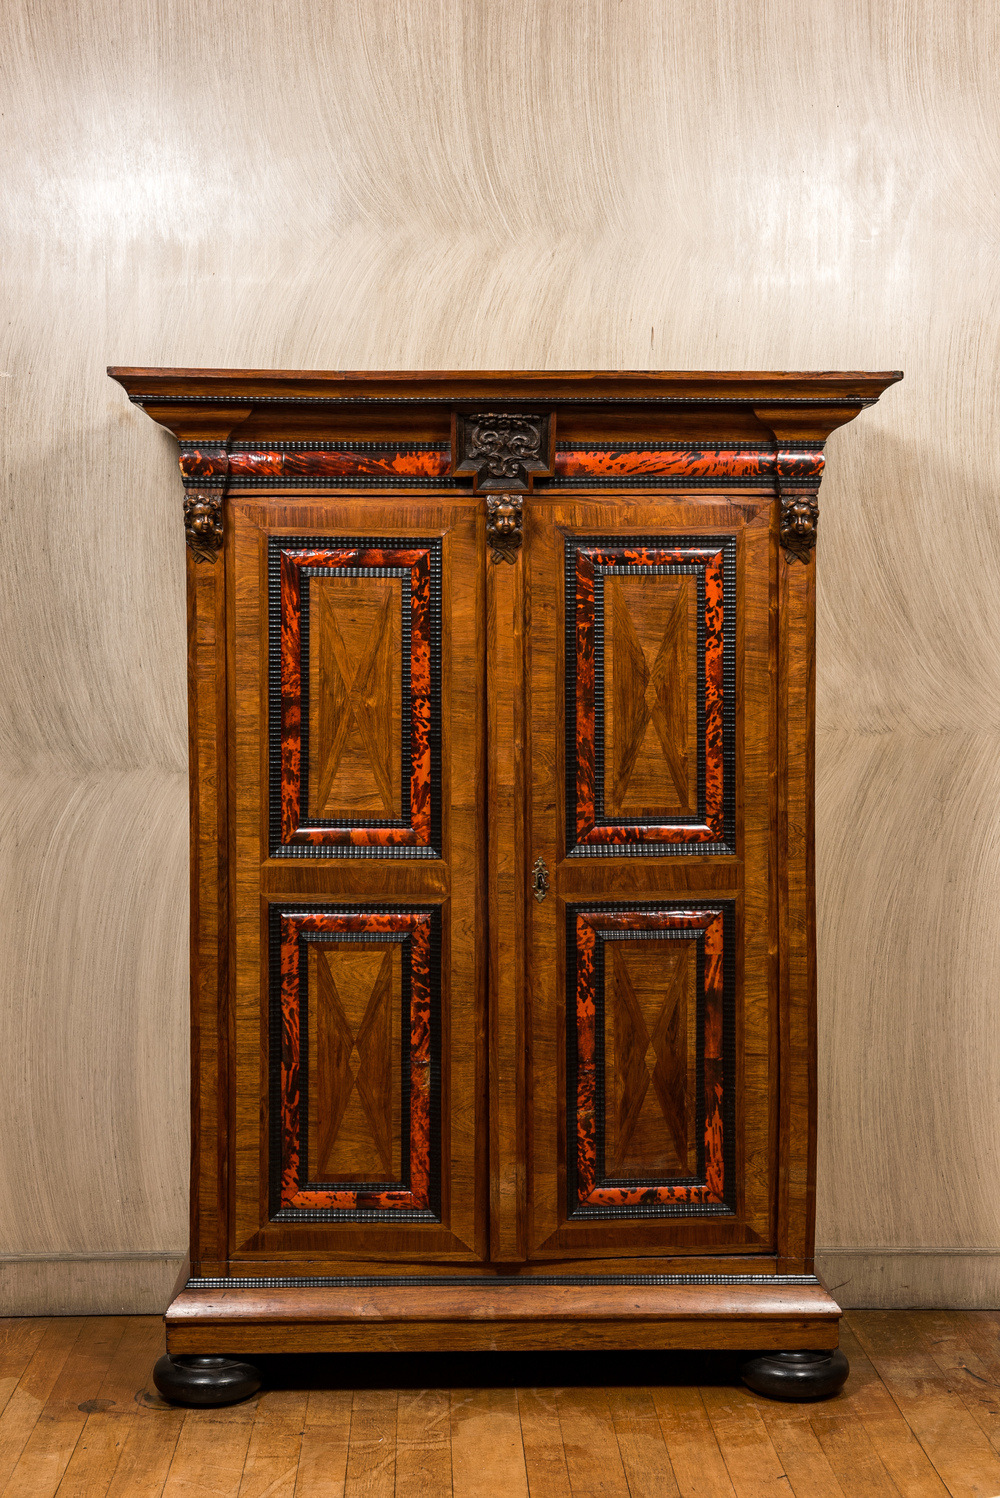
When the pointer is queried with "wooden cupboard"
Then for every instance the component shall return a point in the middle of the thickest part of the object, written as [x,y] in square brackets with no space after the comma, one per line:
[503,929]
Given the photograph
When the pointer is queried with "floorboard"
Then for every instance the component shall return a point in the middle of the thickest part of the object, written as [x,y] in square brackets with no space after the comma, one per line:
[918,1418]
[961,1454]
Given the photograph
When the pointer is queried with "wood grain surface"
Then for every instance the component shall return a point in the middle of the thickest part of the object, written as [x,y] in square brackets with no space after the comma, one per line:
[456,184]
[79,1416]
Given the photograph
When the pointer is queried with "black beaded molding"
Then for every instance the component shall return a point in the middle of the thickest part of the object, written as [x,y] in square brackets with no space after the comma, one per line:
[474,403]
[578,1211]
[673,569]
[465,1281]
[387,448]
[653,481]
[600,444]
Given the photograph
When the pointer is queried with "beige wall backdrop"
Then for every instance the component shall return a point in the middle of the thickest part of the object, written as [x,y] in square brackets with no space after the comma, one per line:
[760,184]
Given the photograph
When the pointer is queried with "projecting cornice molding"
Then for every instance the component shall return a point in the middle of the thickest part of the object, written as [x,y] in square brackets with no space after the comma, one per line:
[495,432]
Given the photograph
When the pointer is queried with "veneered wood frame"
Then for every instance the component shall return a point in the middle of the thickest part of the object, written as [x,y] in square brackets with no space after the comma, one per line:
[732,449]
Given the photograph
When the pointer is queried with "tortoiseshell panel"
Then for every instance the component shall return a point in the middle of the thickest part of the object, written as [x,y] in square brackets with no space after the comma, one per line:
[650,1060]
[297,461]
[666,461]
[354,701]
[208,462]
[650,695]
[355,1063]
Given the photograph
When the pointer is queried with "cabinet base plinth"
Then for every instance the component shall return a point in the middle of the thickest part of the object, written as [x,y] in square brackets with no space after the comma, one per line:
[797,1375]
[483,1317]
[205,1379]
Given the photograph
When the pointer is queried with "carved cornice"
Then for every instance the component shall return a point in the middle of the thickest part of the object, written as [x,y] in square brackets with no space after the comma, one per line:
[204,470]
[799,471]
[179,397]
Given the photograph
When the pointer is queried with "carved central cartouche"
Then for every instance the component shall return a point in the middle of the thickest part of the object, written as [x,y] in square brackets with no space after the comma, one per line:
[502,451]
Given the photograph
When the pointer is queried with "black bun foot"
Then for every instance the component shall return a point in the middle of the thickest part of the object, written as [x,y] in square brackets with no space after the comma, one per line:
[796,1375]
[205,1380]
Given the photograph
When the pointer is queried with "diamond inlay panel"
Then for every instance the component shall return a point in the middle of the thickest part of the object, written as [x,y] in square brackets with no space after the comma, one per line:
[354,1059]
[650,1059]
[354,698]
[651,709]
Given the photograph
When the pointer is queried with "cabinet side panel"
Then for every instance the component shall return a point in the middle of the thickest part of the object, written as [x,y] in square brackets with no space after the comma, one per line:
[207,751]
[797,914]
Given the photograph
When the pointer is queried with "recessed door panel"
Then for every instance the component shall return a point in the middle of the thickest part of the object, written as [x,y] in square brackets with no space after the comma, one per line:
[355,698]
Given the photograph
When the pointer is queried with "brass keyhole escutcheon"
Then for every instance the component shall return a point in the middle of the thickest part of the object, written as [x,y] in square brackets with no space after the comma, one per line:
[540,880]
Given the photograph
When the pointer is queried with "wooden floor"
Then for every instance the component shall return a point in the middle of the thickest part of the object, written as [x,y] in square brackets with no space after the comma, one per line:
[920,1418]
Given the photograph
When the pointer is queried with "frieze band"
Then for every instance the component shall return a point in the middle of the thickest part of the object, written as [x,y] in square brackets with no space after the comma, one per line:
[503,453]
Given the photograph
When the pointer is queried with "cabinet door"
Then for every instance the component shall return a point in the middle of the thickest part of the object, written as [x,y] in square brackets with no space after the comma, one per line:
[650,996]
[356,740]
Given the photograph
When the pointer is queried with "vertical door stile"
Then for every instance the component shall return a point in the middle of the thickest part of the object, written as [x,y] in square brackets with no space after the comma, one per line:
[507,882]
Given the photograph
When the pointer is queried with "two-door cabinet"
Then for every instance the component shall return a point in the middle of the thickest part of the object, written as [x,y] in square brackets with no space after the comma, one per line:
[503,930]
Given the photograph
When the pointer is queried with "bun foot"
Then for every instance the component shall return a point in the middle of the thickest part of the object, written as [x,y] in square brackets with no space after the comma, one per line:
[796,1375]
[200,1379]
